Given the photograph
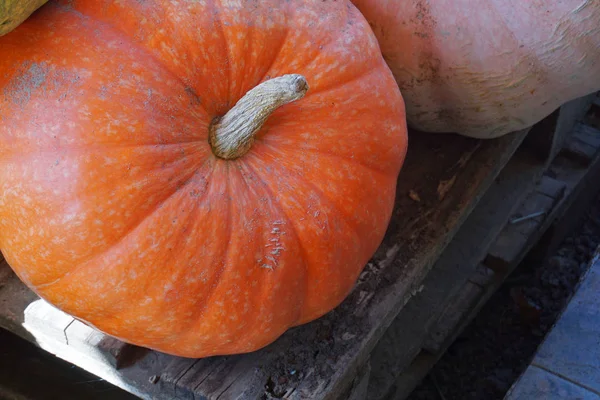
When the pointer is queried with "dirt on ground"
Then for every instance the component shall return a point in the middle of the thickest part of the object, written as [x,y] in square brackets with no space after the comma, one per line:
[500,342]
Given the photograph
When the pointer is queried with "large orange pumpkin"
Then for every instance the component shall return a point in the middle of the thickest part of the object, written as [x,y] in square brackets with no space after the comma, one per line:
[484,68]
[115,207]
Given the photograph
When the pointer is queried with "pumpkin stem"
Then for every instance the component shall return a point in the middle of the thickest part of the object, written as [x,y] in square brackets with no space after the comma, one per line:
[232,135]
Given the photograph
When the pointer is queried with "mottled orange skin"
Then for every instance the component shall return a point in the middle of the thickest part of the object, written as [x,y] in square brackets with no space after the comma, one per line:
[113,207]
[485,68]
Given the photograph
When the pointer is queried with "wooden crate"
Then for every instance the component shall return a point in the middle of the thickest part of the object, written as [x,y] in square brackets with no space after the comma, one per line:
[471,270]
[444,185]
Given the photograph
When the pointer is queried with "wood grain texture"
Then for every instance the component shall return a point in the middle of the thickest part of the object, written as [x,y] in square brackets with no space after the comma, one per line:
[424,314]
[564,184]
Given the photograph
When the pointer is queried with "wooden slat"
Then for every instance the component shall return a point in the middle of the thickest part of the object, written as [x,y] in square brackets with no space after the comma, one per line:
[437,344]
[113,351]
[238,383]
[581,151]
[410,378]
[450,174]
[574,178]
[515,237]
[587,134]
[360,387]
[41,316]
[119,354]
[482,276]
[404,339]
[44,321]
[177,369]
[582,147]
[551,187]
[462,302]
[225,376]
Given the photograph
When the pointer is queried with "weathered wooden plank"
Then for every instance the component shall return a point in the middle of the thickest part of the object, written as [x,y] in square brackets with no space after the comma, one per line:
[179,367]
[531,212]
[410,378]
[40,316]
[225,375]
[579,184]
[90,361]
[404,339]
[244,387]
[462,302]
[86,339]
[201,372]
[425,360]
[575,179]
[515,236]
[482,276]
[119,354]
[583,145]
[361,384]
[581,151]
[450,174]
[587,134]
[551,187]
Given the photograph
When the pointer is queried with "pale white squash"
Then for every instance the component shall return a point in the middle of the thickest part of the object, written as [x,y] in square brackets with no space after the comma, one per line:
[484,68]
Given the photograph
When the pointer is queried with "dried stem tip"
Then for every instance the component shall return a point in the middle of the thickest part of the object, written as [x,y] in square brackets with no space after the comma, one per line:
[232,135]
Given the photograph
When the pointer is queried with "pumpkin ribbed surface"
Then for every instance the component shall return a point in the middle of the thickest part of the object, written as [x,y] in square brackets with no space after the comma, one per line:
[113,206]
